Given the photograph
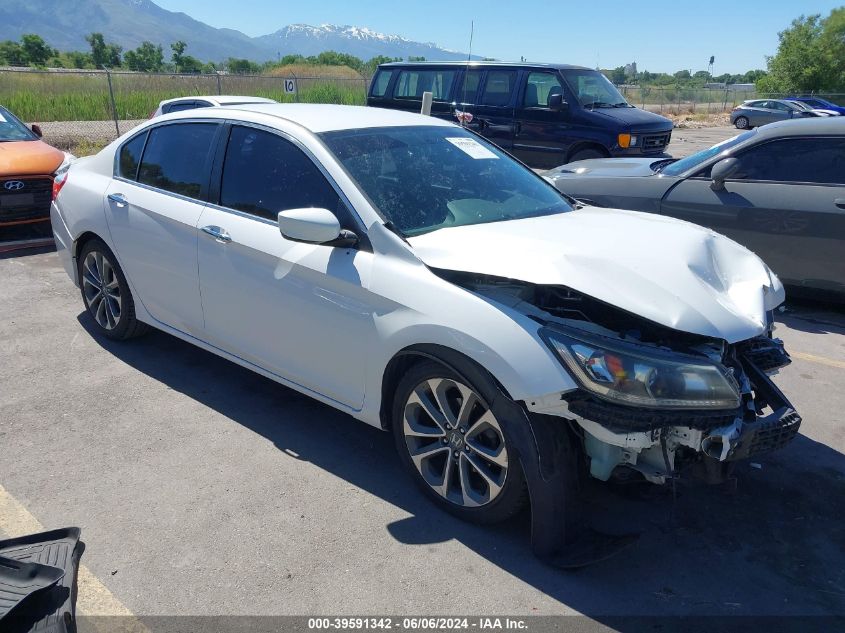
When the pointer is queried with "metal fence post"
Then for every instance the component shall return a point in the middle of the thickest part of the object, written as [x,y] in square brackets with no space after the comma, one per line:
[219,84]
[113,103]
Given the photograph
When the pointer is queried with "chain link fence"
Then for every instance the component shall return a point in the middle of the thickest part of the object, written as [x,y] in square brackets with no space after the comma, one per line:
[677,100]
[82,111]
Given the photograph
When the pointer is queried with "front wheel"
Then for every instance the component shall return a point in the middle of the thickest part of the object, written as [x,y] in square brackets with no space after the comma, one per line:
[587,154]
[741,123]
[106,294]
[454,445]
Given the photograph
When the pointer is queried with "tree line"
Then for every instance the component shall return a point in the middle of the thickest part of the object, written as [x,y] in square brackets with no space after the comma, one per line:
[33,51]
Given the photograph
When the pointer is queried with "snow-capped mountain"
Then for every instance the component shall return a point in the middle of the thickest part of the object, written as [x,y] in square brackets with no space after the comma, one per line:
[354,40]
[130,22]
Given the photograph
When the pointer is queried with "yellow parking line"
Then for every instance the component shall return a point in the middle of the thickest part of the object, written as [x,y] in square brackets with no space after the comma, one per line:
[93,597]
[821,360]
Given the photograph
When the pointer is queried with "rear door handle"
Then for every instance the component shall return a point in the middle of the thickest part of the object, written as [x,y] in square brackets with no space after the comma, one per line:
[118,198]
[840,202]
[218,233]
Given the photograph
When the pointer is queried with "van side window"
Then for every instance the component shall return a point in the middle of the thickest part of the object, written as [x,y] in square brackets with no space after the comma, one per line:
[539,87]
[469,86]
[413,83]
[380,82]
[499,87]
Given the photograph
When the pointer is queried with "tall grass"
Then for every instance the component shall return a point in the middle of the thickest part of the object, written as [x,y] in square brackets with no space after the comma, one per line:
[84,96]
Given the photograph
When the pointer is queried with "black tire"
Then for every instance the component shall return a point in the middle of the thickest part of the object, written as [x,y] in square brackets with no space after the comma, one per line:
[119,324]
[587,154]
[512,495]
[742,123]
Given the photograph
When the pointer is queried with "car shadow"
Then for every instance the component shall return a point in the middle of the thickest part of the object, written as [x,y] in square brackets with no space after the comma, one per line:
[772,545]
[813,316]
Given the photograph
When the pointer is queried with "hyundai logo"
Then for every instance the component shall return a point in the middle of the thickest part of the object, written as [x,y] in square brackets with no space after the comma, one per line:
[13,185]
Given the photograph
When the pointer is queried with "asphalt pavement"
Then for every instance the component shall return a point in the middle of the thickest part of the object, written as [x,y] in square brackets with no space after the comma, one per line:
[203,488]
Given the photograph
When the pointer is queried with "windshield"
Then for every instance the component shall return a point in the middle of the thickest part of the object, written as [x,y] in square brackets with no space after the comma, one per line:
[593,89]
[424,178]
[11,129]
[693,161]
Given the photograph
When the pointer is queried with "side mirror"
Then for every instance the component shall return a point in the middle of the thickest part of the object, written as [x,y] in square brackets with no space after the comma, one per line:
[314,226]
[721,171]
[37,130]
[556,102]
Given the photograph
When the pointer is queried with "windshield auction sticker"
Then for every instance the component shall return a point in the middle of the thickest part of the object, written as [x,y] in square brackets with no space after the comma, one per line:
[471,147]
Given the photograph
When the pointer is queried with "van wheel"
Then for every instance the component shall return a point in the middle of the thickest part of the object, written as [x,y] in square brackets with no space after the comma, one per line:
[587,154]
[106,294]
[741,123]
[453,444]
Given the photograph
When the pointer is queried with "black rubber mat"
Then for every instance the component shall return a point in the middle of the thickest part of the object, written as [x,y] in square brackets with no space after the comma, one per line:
[18,580]
[49,609]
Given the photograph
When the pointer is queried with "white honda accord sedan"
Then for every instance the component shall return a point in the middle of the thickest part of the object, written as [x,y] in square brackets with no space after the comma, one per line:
[405,271]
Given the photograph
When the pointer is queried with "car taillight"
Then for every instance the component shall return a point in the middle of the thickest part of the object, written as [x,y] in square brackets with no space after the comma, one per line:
[59,182]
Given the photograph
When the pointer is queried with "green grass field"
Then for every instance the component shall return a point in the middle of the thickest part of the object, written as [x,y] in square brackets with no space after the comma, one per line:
[47,96]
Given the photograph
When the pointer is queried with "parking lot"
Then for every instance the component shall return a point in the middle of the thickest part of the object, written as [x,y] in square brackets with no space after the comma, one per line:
[203,488]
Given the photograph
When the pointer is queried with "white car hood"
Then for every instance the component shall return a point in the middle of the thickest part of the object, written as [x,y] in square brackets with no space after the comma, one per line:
[675,273]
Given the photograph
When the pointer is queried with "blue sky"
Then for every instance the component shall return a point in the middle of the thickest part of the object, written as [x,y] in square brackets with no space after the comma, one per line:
[659,36]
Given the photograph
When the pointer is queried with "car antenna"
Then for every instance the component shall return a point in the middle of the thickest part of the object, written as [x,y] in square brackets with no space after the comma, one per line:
[469,59]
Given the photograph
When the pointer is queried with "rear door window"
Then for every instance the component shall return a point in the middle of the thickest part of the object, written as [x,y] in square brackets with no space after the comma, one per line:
[499,87]
[264,173]
[411,84]
[177,158]
[130,157]
[813,160]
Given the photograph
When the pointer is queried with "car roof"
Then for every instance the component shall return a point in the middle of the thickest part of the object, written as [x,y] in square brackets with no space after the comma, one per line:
[484,64]
[316,117]
[832,125]
[221,99]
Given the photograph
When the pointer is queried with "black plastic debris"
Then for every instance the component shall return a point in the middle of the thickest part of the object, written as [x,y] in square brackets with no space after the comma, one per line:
[38,582]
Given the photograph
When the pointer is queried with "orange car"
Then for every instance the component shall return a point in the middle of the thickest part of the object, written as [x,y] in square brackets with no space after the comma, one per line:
[27,166]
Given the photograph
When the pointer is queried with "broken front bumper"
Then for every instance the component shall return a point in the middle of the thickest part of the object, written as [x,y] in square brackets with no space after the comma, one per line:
[654,441]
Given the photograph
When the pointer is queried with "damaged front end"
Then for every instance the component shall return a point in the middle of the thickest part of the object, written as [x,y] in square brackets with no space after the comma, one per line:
[650,399]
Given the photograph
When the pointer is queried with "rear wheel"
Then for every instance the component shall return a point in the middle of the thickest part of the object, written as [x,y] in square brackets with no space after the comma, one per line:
[455,446]
[741,123]
[106,294]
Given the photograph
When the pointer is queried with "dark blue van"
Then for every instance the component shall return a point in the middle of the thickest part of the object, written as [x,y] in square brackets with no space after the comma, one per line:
[544,114]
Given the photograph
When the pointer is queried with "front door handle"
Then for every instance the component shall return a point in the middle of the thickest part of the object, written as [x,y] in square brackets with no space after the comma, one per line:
[118,198]
[840,202]
[217,233]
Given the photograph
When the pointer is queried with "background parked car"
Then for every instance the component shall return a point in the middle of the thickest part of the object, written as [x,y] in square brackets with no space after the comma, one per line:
[779,190]
[544,114]
[27,166]
[189,103]
[762,111]
[809,108]
[818,102]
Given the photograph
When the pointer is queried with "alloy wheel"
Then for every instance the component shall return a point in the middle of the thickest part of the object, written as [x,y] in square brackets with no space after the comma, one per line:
[101,290]
[455,442]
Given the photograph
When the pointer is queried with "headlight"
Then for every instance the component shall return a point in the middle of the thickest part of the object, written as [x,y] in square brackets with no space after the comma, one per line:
[626,375]
[633,140]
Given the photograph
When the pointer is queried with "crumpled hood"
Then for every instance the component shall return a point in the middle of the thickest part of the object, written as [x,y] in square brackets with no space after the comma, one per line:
[24,158]
[613,167]
[674,273]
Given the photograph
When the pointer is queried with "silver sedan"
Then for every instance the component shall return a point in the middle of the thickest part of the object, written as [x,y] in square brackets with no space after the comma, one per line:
[761,111]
